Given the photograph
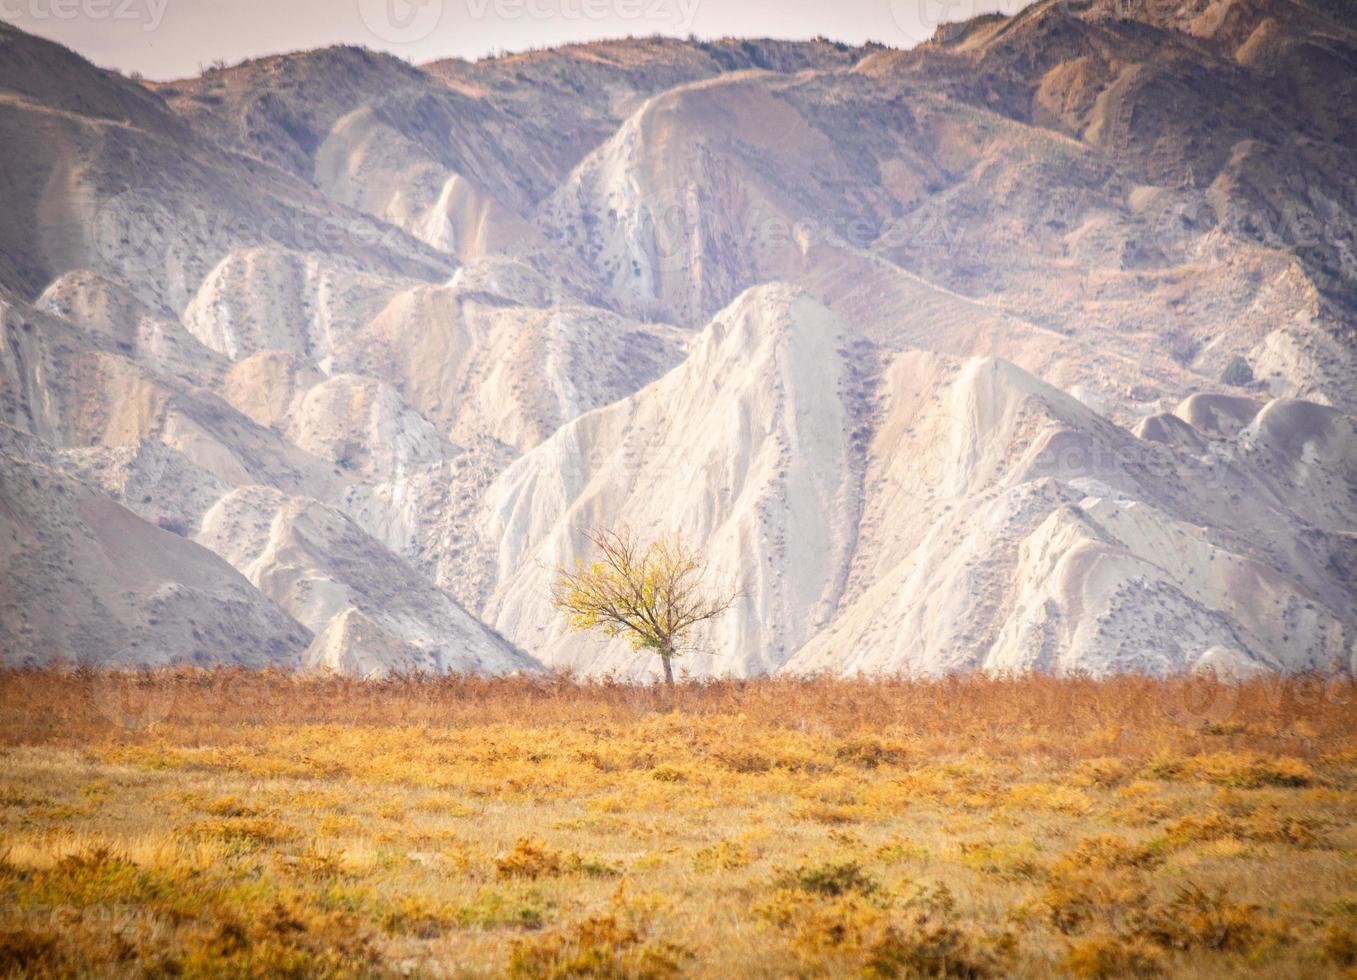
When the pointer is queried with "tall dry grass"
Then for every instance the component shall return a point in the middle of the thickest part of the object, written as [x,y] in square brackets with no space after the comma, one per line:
[1303,714]
[237,823]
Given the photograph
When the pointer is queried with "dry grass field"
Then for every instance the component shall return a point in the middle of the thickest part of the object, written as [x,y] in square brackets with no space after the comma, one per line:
[259,824]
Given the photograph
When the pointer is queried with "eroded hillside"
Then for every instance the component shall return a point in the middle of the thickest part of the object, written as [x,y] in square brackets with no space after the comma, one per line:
[326,359]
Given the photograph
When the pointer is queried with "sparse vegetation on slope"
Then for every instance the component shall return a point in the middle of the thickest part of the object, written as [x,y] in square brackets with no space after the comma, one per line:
[242,823]
[1237,372]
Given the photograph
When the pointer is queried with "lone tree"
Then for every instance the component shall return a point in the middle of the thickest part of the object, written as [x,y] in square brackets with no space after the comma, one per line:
[652,594]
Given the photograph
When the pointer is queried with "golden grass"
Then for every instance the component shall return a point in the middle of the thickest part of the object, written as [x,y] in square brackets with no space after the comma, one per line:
[228,823]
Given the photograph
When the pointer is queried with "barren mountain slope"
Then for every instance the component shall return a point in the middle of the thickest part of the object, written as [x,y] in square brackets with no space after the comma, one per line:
[943,162]
[760,427]
[157,340]
[1024,220]
[88,581]
[277,299]
[126,395]
[482,364]
[108,179]
[976,517]
[458,153]
[924,349]
[1043,537]
[75,388]
[1230,124]
[320,566]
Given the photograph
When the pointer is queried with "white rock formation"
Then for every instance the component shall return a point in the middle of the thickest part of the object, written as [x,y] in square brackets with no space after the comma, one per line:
[156,339]
[318,564]
[747,450]
[87,581]
[1045,538]
[367,164]
[498,368]
[271,298]
[944,516]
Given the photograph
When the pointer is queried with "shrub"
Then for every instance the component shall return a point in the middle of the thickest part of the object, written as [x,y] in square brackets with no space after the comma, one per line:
[936,950]
[231,806]
[283,941]
[614,944]
[1181,347]
[1102,772]
[1010,862]
[312,864]
[530,858]
[25,952]
[723,856]
[491,909]
[829,814]
[1237,372]
[900,849]
[743,762]
[1109,851]
[1250,771]
[95,876]
[1112,957]
[1076,897]
[1265,827]
[1339,946]
[1055,799]
[669,774]
[853,935]
[248,833]
[930,942]
[1196,918]
[829,879]
[414,917]
[869,753]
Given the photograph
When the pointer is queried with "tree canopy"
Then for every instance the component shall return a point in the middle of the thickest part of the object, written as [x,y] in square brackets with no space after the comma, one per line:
[651,594]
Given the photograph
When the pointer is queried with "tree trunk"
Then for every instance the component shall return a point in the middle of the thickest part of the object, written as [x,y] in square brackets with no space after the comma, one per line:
[667,657]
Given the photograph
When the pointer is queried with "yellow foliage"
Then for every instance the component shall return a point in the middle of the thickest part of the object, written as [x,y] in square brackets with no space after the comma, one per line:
[652,595]
[1109,957]
[723,856]
[618,943]
[530,858]
[278,825]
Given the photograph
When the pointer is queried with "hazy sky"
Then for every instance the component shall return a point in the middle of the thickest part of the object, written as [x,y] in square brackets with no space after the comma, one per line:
[171,38]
